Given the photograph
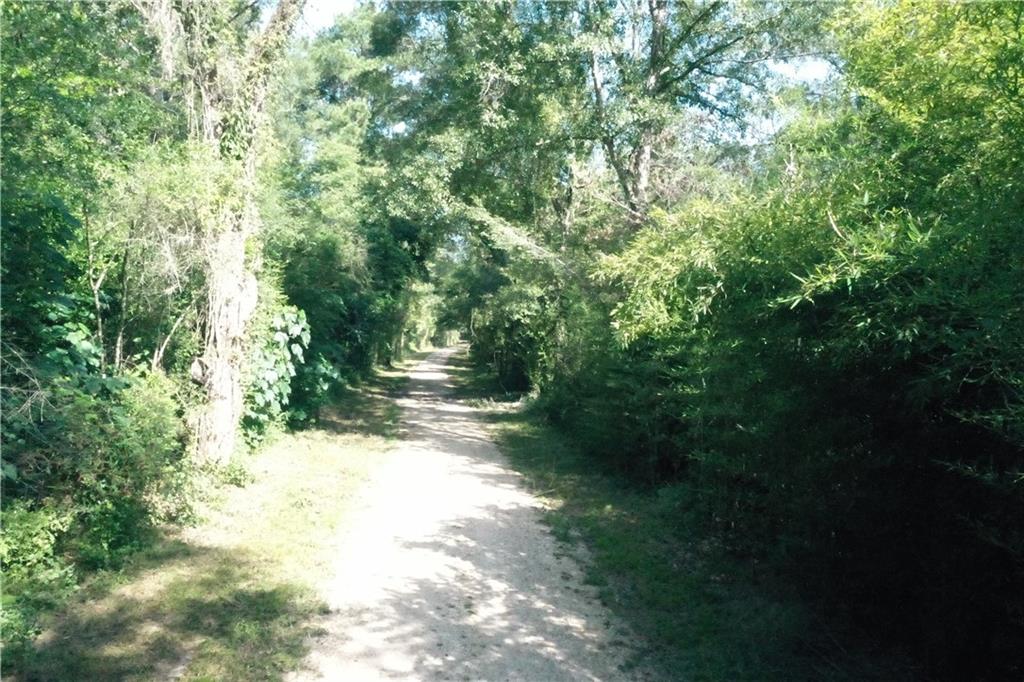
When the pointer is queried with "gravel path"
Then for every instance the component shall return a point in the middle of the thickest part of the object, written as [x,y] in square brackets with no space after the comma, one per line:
[446,573]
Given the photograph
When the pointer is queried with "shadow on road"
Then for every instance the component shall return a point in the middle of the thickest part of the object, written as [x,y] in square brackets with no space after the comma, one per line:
[449,575]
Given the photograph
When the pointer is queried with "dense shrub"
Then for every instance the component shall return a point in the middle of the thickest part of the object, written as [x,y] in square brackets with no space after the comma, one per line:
[279,337]
[829,363]
[127,439]
[36,575]
[90,466]
[842,348]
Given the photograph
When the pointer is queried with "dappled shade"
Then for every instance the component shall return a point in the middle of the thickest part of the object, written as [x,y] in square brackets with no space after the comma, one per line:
[446,572]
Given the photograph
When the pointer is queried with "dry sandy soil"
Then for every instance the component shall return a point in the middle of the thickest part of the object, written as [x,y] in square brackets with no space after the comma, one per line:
[445,572]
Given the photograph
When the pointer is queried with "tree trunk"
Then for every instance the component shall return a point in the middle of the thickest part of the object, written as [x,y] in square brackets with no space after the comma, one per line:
[633,166]
[641,157]
[231,300]
[231,281]
[230,117]
[640,179]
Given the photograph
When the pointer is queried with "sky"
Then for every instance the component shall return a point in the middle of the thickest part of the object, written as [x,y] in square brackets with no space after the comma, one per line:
[808,69]
[319,14]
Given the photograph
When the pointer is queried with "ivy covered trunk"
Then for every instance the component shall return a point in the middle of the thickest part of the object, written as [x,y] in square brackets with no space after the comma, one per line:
[231,300]
[231,283]
[229,114]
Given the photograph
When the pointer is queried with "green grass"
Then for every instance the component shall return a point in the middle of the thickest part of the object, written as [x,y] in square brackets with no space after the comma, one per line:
[476,384]
[235,596]
[208,613]
[703,614]
[367,407]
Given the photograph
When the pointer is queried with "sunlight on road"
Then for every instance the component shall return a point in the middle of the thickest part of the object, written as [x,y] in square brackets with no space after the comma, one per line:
[446,572]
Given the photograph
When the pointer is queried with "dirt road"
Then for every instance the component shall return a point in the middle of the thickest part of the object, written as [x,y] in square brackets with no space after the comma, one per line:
[445,571]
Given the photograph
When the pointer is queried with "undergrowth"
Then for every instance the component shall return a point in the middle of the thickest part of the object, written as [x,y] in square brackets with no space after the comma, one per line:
[702,613]
[235,596]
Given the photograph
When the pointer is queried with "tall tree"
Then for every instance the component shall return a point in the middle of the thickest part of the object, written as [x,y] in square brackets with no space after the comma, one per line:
[649,59]
[225,72]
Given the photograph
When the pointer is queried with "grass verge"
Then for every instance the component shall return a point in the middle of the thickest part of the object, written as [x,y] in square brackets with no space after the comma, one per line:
[367,408]
[703,614]
[233,597]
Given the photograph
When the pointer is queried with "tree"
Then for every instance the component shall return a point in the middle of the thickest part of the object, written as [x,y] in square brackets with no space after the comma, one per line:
[225,76]
[649,59]
[76,108]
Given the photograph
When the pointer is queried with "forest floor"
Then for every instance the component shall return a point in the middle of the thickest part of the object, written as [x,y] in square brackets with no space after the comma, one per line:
[392,542]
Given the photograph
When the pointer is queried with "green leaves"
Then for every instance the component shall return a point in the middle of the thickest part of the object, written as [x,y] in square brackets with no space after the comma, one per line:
[271,370]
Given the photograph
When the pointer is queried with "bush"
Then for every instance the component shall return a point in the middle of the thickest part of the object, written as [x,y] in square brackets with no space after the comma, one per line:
[280,340]
[840,351]
[109,450]
[36,575]
[91,464]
